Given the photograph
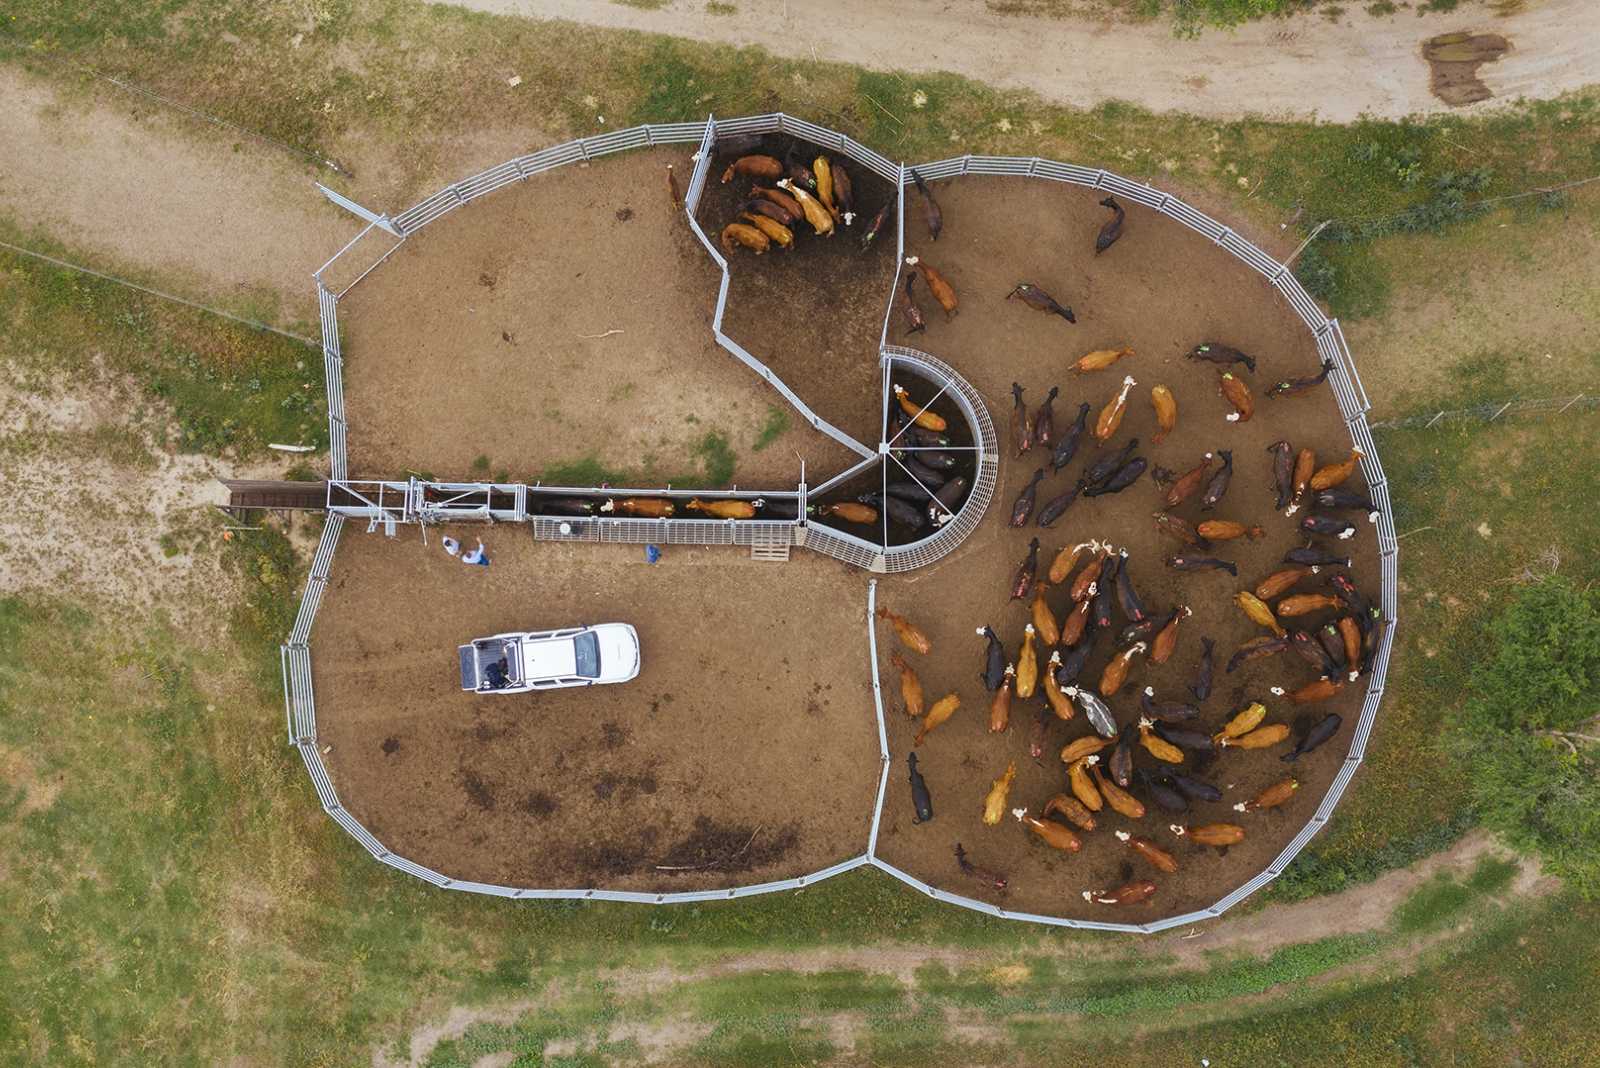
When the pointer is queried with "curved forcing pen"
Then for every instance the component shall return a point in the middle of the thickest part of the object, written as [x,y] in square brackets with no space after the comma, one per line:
[936,468]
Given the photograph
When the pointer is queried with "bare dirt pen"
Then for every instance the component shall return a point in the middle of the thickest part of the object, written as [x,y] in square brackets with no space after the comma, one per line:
[481,337]
[745,749]
[1161,290]
[813,314]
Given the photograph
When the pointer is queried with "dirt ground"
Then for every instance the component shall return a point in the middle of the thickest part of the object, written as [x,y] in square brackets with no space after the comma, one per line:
[814,314]
[165,193]
[747,756]
[1298,67]
[1161,290]
[486,335]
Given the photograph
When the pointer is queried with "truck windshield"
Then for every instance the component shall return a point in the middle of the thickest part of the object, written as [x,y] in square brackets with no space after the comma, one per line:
[587,648]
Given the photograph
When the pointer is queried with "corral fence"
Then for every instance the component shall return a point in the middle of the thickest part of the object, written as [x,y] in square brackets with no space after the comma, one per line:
[388,501]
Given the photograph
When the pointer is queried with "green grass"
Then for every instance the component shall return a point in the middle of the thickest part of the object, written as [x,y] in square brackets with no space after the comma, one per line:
[1444,899]
[272,579]
[229,389]
[1377,178]
[715,458]
[1447,485]
[1519,993]
[773,427]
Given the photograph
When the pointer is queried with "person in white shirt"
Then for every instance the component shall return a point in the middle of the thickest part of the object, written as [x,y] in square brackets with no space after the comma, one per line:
[475,556]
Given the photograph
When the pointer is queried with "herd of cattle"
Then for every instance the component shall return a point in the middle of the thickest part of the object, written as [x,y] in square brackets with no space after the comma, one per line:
[1088,596]
[1129,763]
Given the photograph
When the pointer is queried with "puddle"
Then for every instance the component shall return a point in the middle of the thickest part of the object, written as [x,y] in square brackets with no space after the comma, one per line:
[1454,59]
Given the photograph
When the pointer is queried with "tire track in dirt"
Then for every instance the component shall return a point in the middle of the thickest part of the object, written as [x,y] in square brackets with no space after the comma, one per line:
[142,188]
[1306,66]
[1362,909]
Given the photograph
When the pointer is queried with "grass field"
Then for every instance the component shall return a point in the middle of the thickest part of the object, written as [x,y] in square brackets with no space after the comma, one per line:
[364,70]
[185,902]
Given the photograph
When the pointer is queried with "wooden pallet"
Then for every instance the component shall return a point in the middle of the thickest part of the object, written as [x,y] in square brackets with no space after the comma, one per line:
[776,552]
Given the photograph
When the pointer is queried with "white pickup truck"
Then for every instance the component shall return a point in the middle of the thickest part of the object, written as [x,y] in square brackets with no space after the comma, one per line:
[520,661]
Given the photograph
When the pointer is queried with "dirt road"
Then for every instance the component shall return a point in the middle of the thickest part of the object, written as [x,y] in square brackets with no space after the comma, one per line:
[664,1037]
[1301,67]
[148,189]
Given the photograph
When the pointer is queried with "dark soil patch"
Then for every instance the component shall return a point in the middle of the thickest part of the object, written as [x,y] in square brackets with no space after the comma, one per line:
[734,744]
[538,804]
[1161,290]
[478,791]
[623,788]
[814,314]
[391,746]
[1453,62]
[730,847]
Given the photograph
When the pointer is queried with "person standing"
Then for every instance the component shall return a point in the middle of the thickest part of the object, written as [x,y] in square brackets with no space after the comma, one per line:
[475,556]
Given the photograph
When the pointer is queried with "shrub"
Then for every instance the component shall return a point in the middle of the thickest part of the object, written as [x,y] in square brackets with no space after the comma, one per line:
[1534,784]
[1545,673]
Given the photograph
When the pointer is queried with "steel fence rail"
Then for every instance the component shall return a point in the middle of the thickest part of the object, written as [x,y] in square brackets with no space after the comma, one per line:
[917,554]
[399,502]
[877,706]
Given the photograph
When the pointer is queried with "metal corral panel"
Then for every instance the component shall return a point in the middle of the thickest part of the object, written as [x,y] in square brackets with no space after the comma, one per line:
[488,181]
[426,874]
[1065,172]
[675,132]
[1252,255]
[1194,220]
[319,775]
[879,165]
[1000,165]
[342,817]
[817,135]
[944,168]
[750,124]
[1341,781]
[415,218]
[1300,300]
[1140,194]
[615,141]
[548,159]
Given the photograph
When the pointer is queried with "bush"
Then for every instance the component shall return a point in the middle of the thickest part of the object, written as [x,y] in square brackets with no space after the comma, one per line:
[1545,673]
[1537,787]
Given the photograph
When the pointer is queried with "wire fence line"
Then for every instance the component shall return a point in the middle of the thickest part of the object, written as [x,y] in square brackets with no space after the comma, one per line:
[1488,413]
[173,297]
[1331,345]
[196,113]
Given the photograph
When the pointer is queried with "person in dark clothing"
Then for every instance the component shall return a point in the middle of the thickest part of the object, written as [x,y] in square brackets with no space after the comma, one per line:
[495,674]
